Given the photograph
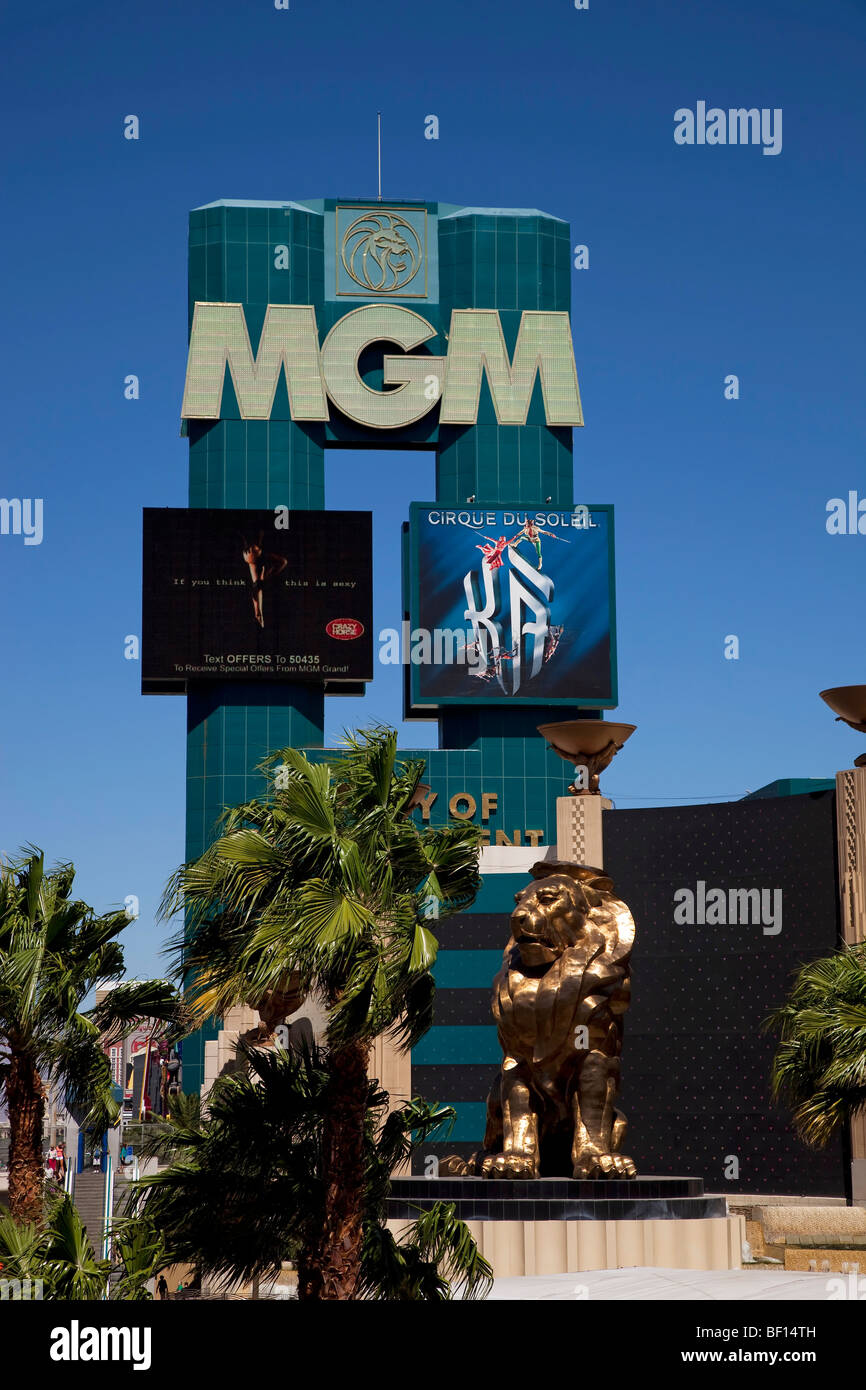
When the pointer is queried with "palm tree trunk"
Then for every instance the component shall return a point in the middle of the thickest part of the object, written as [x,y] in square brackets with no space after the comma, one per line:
[309,1277]
[25,1099]
[331,1271]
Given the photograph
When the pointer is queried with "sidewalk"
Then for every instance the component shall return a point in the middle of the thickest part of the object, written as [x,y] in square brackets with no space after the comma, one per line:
[748,1285]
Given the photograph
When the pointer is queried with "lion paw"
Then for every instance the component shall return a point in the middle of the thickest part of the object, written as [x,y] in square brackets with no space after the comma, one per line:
[599,1165]
[509,1166]
[453,1166]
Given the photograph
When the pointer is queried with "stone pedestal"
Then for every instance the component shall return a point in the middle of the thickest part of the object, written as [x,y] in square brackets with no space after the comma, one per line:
[560,1226]
[578,829]
[851,828]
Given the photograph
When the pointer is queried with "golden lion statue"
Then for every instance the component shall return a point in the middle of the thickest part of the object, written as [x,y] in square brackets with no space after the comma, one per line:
[558,1002]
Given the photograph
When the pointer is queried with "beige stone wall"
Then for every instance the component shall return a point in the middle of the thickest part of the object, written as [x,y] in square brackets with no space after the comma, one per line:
[568,1247]
[854,1260]
[220,1053]
[393,1069]
[175,1275]
[814,1225]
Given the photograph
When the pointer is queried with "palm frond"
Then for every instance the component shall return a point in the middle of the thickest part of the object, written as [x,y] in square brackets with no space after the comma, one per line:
[127,1004]
[820,1062]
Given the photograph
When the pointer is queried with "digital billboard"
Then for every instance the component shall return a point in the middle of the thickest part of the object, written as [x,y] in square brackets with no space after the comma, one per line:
[256,595]
[511,605]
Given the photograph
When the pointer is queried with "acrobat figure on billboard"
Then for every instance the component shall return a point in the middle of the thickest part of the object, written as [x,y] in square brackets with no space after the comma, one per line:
[262,567]
[486,667]
[492,552]
[551,641]
[532,533]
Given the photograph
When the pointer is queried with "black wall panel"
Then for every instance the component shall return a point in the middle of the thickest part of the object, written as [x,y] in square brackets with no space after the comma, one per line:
[696,1063]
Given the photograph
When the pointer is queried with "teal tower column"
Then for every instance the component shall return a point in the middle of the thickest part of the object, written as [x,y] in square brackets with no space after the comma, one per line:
[510,260]
[233,258]
[303,253]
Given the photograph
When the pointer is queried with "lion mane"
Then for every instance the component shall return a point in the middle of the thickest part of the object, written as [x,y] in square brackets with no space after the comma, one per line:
[589,933]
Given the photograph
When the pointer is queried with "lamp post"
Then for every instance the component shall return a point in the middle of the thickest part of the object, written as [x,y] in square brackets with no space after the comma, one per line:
[591,745]
[848,703]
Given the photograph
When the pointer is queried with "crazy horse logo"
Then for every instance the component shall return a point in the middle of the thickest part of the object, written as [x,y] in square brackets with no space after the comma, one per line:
[381,252]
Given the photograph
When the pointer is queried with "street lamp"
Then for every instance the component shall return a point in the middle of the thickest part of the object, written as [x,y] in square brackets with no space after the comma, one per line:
[848,703]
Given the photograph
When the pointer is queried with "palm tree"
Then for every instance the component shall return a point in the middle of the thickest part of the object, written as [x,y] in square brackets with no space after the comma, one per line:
[60,1256]
[246,1190]
[53,950]
[820,1062]
[328,886]
[436,1250]
[138,1249]
[56,1252]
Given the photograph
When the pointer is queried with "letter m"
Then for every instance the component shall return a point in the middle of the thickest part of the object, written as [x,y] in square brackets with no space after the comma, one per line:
[10,508]
[741,122]
[476,344]
[448,646]
[115,1343]
[740,901]
[220,338]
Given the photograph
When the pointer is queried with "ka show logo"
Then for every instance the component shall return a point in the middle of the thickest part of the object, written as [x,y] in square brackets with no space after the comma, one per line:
[314,376]
[510,617]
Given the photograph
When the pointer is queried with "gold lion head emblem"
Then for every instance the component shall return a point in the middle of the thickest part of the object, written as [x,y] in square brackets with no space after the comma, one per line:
[381,252]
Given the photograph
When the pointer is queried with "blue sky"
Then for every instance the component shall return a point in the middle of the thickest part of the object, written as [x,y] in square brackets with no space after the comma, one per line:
[704,261]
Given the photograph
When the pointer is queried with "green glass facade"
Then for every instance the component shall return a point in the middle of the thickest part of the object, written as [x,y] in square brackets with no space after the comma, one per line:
[504,259]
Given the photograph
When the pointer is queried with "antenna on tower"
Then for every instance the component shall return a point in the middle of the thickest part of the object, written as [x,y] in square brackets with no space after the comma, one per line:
[379,125]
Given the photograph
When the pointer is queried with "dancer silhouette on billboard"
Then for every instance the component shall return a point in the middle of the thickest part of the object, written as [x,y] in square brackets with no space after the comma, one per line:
[262,566]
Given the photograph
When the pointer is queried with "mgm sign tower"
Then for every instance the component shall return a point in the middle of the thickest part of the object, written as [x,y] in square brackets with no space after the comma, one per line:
[333,323]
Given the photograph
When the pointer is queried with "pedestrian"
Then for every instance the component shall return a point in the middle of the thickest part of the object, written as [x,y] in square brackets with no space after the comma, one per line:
[162,1289]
